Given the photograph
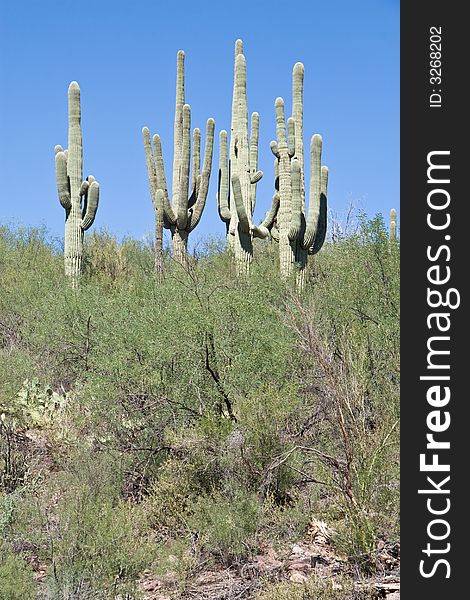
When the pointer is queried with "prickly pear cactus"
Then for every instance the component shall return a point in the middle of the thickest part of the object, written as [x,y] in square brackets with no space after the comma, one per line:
[239,174]
[298,233]
[78,197]
[182,214]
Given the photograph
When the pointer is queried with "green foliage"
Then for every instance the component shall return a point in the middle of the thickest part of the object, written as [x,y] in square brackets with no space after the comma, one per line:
[283,524]
[316,589]
[357,539]
[184,392]
[175,561]
[228,524]
[16,577]
[170,498]
[93,541]
[7,506]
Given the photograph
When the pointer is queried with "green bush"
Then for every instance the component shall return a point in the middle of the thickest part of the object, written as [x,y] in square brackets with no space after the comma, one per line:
[317,589]
[92,541]
[227,523]
[16,577]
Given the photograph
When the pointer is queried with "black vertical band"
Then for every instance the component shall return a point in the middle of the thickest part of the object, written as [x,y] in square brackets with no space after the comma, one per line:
[435,327]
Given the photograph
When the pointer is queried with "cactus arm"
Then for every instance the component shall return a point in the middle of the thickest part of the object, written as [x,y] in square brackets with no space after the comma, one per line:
[150,163]
[63,187]
[84,189]
[185,161]
[254,136]
[223,184]
[297,111]
[193,197]
[92,197]
[275,234]
[243,219]
[196,161]
[280,127]
[255,175]
[262,230]
[159,166]
[196,167]
[272,213]
[274,148]
[393,225]
[276,174]
[259,231]
[296,215]
[169,217]
[315,192]
[291,136]
[322,219]
[196,211]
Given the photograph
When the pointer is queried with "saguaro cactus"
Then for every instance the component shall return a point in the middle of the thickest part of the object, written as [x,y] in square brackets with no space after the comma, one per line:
[393,225]
[299,234]
[78,197]
[184,212]
[239,174]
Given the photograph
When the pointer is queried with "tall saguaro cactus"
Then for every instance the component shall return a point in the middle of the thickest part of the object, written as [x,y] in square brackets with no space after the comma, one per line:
[299,233]
[184,212]
[78,197]
[239,174]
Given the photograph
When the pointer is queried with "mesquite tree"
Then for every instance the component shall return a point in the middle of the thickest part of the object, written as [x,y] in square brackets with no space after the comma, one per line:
[78,197]
[184,211]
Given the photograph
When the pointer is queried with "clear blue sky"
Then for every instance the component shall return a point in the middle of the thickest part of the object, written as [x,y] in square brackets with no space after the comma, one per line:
[123,54]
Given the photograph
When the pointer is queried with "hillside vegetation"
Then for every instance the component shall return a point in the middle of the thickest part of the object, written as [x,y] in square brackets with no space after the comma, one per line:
[162,428]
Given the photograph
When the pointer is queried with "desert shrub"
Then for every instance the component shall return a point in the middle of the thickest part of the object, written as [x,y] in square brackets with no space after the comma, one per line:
[180,394]
[348,336]
[317,589]
[16,577]
[175,561]
[112,262]
[357,538]
[283,524]
[227,524]
[8,503]
[93,542]
[268,416]
[170,499]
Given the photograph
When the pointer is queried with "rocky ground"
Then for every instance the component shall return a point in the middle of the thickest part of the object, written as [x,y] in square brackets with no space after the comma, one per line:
[313,556]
